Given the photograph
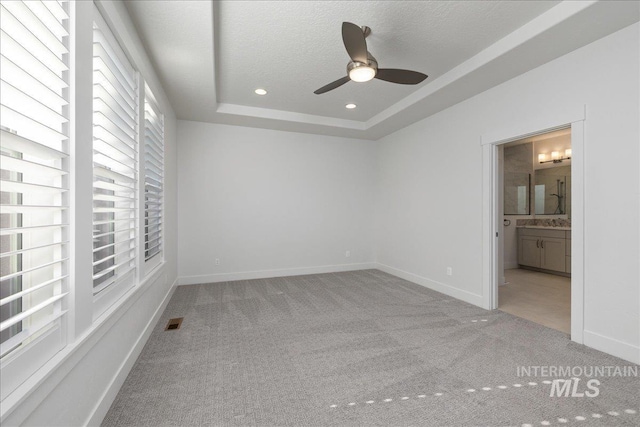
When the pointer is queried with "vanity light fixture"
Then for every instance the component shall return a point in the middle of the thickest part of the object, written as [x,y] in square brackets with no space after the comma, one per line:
[555,156]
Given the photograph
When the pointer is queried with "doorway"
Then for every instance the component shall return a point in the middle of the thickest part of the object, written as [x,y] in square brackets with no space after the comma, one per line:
[556,118]
[535,280]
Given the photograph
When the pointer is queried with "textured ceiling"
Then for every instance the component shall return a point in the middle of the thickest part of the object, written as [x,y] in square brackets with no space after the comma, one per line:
[292,48]
[210,56]
[178,36]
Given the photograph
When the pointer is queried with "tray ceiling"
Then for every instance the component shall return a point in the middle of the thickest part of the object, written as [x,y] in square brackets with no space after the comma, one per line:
[211,56]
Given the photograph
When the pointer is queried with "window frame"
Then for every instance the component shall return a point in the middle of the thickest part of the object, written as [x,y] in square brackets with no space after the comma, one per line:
[45,336]
[110,294]
[157,259]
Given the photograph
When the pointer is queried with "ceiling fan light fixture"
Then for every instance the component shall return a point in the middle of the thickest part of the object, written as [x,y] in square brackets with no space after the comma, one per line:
[363,67]
[362,73]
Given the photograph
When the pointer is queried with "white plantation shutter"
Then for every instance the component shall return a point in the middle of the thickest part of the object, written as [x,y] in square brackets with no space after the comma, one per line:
[153,178]
[115,156]
[34,151]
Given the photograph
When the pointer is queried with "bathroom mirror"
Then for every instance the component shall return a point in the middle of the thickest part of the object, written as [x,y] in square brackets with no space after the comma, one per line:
[517,186]
[552,191]
[536,175]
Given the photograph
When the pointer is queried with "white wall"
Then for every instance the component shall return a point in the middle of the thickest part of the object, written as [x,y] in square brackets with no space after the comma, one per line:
[271,203]
[430,195]
[78,385]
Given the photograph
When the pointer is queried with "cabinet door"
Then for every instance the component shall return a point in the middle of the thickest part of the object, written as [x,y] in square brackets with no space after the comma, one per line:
[529,251]
[553,254]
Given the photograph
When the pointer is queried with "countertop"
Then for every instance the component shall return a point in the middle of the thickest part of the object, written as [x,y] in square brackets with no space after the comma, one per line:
[543,227]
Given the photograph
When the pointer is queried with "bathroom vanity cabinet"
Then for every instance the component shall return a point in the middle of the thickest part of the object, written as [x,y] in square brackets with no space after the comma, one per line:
[545,248]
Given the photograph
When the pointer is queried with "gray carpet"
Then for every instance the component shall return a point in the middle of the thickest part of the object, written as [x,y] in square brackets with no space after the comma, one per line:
[357,348]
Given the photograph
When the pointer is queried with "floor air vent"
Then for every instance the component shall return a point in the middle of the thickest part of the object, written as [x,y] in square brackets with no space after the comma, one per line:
[174,324]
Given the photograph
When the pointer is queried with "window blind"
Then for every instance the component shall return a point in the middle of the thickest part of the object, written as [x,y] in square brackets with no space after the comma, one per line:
[114,162]
[34,152]
[153,178]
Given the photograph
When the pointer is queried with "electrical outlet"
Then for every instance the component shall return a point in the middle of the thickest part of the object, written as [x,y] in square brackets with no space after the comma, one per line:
[449,271]
[217,261]
[347,254]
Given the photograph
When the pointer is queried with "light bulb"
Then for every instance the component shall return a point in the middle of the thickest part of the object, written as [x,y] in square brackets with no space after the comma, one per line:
[555,155]
[542,157]
[567,152]
[362,74]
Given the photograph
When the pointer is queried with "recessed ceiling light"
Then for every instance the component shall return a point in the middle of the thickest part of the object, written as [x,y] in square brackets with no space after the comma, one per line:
[350,106]
[260,91]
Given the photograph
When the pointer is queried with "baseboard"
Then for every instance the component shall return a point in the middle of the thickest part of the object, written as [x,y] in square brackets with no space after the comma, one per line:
[265,274]
[101,409]
[511,265]
[612,346]
[433,285]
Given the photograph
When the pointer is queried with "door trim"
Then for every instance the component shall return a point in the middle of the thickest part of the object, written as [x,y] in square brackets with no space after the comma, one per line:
[559,117]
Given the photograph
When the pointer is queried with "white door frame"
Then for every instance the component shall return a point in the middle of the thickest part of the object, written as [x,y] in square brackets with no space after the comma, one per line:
[540,122]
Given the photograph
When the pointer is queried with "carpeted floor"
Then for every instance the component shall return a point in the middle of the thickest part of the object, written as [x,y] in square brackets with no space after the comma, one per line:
[357,348]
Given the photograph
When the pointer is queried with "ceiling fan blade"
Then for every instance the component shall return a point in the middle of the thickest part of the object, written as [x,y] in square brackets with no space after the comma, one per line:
[404,77]
[354,42]
[332,85]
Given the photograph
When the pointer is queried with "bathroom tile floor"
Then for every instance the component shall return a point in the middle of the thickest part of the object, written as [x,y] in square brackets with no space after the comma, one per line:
[539,297]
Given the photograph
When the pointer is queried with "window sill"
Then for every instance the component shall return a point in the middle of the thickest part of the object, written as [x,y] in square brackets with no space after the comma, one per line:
[38,386]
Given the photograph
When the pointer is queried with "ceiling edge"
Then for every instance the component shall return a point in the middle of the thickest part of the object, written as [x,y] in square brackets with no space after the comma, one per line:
[289,116]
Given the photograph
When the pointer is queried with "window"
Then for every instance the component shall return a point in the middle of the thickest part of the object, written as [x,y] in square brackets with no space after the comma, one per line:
[34,165]
[40,187]
[153,178]
[115,156]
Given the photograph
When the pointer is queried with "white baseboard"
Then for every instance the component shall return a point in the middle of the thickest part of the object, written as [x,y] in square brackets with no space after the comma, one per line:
[433,285]
[265,274]
[101,409]
[612,346]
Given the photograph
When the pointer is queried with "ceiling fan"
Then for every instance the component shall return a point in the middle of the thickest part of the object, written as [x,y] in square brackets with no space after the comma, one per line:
[363,66]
